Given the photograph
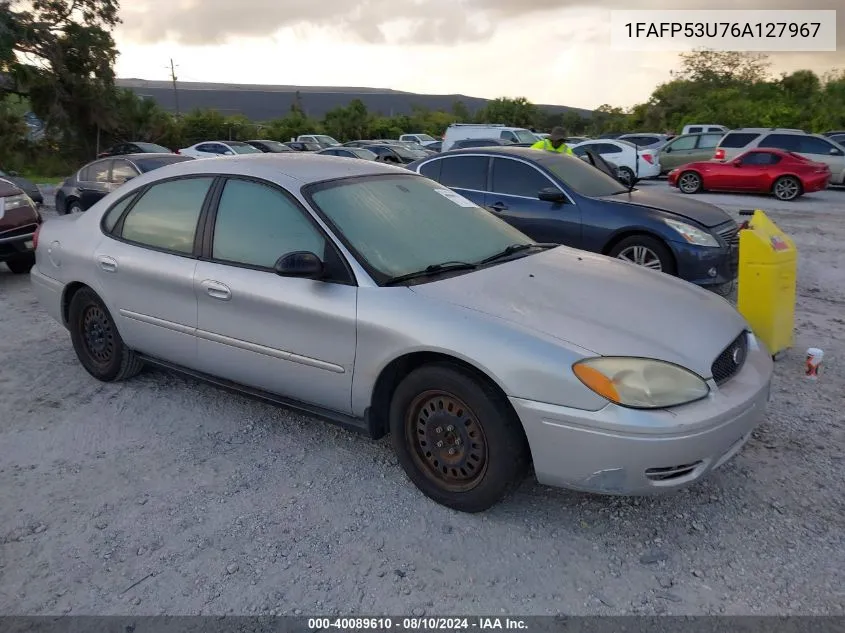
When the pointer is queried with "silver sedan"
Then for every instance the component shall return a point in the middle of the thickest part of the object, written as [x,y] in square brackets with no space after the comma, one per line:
[380,300]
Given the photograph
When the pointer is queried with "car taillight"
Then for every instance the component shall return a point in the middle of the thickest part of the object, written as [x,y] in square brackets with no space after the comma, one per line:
[176,151]
[649,158]
[35,237]
[719,155]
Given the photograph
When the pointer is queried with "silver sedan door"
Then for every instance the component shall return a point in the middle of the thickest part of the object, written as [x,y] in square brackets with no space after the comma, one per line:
[291,336]
[146,267]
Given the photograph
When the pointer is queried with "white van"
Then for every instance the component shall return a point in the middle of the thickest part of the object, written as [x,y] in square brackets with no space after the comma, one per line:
[422,139]
[463,131]
[703,128]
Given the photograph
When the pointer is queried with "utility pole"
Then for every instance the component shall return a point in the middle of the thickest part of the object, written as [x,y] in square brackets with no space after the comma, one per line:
[175,89]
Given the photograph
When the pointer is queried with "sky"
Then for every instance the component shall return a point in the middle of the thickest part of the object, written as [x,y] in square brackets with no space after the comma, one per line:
[548,51]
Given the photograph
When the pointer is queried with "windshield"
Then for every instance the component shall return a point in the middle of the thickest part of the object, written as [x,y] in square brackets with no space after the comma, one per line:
[328,140]
[153,148]
[405,152]
[243,148]
[149,164]
[580,176]
[401,224]
[276,146]
[525,136]
[360,152]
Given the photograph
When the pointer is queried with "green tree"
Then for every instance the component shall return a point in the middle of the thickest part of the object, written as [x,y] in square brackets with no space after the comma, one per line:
[347,123]
[517,112]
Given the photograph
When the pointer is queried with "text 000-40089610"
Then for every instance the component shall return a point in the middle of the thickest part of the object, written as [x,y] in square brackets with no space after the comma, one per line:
[724,30]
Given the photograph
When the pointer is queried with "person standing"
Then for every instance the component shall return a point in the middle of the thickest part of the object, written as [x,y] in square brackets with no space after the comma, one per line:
[554,143]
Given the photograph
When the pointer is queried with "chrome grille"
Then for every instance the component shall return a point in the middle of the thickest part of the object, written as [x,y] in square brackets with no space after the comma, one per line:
[731,360]
[730,234]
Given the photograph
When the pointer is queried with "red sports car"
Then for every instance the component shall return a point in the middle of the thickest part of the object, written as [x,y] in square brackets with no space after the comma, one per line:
[784,174]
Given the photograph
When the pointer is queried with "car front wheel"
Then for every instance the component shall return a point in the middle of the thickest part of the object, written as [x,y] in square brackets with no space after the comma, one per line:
[645,251]
[457,438]
[690,182]
[97,342]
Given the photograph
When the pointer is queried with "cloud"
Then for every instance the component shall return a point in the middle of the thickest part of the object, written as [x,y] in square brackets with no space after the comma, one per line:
[417,22]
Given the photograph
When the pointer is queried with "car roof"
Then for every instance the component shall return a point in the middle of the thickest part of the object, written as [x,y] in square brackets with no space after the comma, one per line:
[305,169]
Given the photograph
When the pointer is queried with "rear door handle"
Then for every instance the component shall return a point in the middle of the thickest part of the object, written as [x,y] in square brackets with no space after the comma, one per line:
[499,206]
[109,264]
[217,290]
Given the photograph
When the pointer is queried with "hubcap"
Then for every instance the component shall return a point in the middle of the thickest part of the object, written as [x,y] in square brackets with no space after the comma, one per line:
[97,334]
[689,182]
[446,441]
[786,189]
[641,256]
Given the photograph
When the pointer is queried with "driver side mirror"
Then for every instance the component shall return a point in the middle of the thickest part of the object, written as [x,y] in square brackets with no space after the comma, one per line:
[228,152]
[667,149]
[551,194]
[302,264]
[833,152]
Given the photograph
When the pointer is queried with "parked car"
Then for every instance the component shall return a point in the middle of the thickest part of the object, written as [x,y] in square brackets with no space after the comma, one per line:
[304,147]
[687,148]
[571,140]
[834,133]
[782,174]
[610,135]
[634,164]
[417,147]
[698,128]
[99,178]
[465,131]
[813,146]
[323,140]
[646,141]
[360,143]
[215,149]
[350,152]
[560,199]
[409,311]
[134,148]
[592,157]
[270,146]
[420,139]
[398,154]
[838,138]
[435,147]
[19,221]
[29,187]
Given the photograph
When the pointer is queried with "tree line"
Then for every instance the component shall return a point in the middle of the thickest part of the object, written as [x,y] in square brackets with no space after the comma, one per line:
[57,61]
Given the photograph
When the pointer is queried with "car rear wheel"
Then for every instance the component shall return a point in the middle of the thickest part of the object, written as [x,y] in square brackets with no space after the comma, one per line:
[97,342]
[786,188]
[21,265]
[626,175]
[645,251]
[75,207]
[690,182]
[457,438]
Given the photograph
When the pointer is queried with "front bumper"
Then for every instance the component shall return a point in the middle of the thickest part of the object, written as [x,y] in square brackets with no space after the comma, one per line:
[704,265]
[17,243]
[627,452]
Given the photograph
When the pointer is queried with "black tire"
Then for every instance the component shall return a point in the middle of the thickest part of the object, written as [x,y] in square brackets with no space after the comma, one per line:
[626,176]
[690,182]
[107,357]
[21,265]
[75,207]
[787,188]
[442,403]
[655,250]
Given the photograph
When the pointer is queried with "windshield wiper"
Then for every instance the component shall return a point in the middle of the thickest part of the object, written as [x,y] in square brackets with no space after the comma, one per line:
[430,271]
[513,248]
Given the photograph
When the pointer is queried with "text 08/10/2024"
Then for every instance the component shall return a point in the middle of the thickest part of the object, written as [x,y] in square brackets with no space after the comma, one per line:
[725,30]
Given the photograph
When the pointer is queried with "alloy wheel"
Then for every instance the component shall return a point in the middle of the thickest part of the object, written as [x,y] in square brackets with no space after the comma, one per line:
[641,256]
[786,189]
[689,183]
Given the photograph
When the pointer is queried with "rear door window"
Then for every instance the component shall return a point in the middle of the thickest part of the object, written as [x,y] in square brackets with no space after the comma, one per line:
[736,140]
[813,145]
[786,142]
[695,130]
[465,172]
[96,172]
[432,169]
[708,141]
[515,178]
[686,142]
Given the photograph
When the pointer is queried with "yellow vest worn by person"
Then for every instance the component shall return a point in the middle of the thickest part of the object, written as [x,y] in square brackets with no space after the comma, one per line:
[546,144]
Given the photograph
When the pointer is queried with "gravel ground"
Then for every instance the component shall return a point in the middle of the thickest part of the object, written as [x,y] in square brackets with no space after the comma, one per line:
[166,495]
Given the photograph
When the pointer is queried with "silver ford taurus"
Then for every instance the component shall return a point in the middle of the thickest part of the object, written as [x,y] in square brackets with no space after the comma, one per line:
[376,298]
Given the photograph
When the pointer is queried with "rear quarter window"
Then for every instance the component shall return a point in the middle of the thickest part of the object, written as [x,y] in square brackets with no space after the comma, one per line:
[738,139]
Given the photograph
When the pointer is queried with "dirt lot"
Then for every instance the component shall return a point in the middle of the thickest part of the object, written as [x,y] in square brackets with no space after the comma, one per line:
[165,495]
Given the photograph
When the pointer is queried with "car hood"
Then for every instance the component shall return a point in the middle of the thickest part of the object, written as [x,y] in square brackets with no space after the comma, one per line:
[704,213]
[600,304]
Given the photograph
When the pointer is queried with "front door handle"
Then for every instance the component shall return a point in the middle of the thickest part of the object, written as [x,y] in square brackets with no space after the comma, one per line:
[217,290]
[499,206]
[109,264]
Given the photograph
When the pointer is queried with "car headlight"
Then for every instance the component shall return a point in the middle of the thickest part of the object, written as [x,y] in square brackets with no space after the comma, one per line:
[21,200]
[691,234]
[640,383]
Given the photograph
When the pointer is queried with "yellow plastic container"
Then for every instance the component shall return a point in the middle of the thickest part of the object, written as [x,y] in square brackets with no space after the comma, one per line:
[766,285]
